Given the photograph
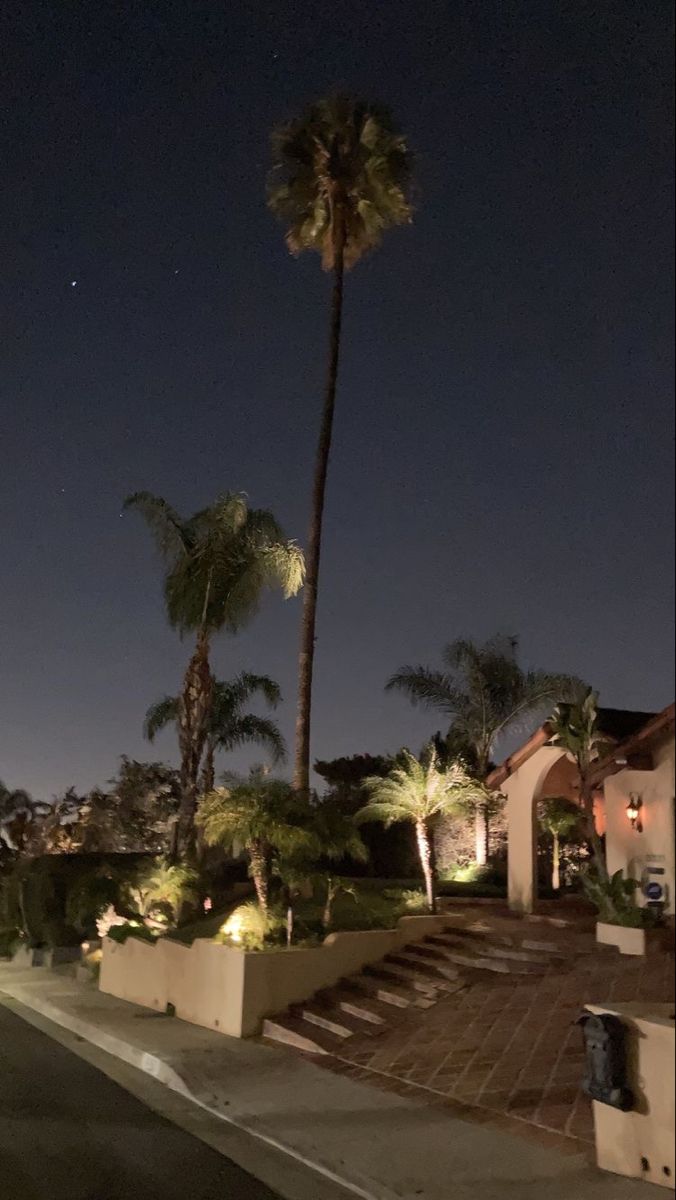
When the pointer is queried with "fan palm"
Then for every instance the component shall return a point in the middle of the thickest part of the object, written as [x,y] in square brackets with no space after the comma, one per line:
[486,694]
[227,727]
[576,730]
[220,561]
[19,813]
[419,791]
[14,801]
[260,814]
[558,817]
[339,180]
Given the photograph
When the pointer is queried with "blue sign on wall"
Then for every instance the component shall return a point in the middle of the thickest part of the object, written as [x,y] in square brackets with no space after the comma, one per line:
[654,891]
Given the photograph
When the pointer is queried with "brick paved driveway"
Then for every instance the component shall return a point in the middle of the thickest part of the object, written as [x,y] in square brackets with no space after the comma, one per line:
[507,1049]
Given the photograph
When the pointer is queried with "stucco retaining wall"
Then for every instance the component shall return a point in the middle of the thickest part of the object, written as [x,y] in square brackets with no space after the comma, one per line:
[232,990]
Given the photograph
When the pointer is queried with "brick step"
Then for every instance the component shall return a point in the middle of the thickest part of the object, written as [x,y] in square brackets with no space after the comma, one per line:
[384,990]
[498,950]
[557,949]
[467,955]
[417,977]
[395,972]
[421,956]
[366,1008]
[292,1031]
[335,1020]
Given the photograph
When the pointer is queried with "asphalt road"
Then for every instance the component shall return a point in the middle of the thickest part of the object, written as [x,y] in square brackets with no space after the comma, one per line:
[67,1132]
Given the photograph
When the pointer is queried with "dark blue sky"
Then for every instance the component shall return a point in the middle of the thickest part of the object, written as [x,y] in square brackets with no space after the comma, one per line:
[503,443]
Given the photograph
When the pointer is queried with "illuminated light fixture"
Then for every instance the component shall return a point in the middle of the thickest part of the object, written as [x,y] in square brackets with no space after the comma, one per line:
[634,812]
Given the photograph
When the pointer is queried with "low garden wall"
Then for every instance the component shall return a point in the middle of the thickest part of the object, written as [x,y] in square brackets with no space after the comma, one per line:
[232,990]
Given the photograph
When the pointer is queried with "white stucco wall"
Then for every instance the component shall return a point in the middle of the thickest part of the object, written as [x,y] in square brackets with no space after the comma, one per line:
[628,850]
[232,990]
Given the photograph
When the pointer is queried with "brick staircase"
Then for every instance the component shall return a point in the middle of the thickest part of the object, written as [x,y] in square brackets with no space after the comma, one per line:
[415,977]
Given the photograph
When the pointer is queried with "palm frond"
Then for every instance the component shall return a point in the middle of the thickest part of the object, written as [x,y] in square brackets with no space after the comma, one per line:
[170,533]
[243,729]
[433,689]
[417,790]
[163,713]
[485,693]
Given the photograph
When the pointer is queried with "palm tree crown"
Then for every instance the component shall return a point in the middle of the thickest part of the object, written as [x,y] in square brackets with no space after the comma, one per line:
[228,726]
[262,815]
[220,560]
[259,808]
[484,692]
[341,170]
[417,790]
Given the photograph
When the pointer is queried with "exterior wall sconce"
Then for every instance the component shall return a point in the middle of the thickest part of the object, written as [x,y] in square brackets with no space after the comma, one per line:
[634,812]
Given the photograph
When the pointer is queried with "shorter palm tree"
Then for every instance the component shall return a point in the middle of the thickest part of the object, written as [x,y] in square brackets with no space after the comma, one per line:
[227,726]
[262,815]
[334,837]
[558,817]
[420,791]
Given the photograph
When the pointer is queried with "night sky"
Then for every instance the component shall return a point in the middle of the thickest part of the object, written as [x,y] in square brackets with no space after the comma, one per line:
[503,443]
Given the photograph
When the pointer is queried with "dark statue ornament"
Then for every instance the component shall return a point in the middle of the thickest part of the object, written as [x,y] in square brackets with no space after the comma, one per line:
[605,1046]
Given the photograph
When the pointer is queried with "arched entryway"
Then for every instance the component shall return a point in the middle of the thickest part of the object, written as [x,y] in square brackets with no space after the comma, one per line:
[548,772]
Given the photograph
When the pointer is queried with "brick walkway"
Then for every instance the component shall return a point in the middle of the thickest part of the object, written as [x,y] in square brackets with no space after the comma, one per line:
[507,1050]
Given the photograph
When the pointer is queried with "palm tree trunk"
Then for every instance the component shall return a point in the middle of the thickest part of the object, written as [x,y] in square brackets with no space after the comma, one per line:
[259,873]
[301,775]
[481,835]
[208,768]
[425,855]
[556,864]
[587,803]
[481,813]
[193,715]
[331,891]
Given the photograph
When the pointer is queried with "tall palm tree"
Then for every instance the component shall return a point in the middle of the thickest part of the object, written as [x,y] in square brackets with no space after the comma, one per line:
[419,791]
[340,178]
[227,726]
[486,694]
[260,814]
[219,561]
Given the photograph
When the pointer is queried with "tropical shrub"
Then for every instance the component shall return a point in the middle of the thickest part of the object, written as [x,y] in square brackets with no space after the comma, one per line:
[250,928]
[614,899]
[133,928]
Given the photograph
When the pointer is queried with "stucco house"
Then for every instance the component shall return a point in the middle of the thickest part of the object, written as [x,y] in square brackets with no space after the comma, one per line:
[634,806]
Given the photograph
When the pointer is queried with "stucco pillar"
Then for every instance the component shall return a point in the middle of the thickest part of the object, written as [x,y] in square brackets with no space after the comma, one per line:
[521,854]
[522,790]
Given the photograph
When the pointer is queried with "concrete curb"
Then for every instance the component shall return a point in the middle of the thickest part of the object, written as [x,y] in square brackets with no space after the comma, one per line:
[164,1073]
